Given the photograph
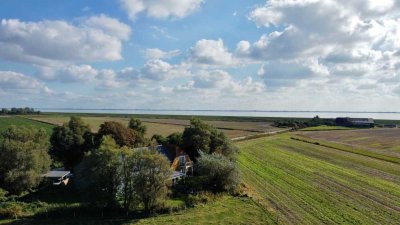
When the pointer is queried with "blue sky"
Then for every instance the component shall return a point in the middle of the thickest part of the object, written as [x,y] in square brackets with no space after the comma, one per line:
[201,54]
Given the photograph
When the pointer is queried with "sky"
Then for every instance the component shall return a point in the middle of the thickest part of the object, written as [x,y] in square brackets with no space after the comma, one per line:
[201,54]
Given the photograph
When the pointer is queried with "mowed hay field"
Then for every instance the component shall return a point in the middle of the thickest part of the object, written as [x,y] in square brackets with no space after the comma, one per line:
[305,183]
[7,121]
[167,126]
[383,140]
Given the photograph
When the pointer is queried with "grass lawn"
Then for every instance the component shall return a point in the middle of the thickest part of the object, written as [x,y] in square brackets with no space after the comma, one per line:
[303,183]
[227,210]
[7,121]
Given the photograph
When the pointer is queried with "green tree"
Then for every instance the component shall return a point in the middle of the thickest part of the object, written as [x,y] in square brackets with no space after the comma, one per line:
[99,174]
[110,173]
[136,125]
[161,140]
[175,139]
[202,137]
[220,173]
[70,142]
[24,157]
[122,135]
[196,137]
[152,172]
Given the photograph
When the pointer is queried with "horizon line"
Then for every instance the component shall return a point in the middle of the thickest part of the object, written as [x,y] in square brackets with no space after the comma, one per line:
[219,110]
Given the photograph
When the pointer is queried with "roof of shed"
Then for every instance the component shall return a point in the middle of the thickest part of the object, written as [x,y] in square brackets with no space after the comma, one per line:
[56,174]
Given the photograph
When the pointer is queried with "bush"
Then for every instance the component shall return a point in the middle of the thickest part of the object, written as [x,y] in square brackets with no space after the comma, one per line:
[220,174]
[10,210]
[200,198]
[3,194]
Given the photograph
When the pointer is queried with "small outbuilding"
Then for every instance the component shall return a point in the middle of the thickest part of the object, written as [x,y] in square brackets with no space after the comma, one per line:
[58,177]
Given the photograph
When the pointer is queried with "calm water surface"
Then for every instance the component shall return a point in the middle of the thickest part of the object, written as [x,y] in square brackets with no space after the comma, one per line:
[246,113]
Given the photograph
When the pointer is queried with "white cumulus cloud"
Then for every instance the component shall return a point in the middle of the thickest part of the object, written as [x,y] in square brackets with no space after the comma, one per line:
[161,9]
[54,42]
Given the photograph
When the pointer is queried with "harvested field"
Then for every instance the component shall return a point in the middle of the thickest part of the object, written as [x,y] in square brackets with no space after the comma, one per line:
[167,126]
[381,140]
[305,183]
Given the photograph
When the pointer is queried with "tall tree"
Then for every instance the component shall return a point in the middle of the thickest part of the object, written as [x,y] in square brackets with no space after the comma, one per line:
[152,172]
[200,136]
[136,125]
[196,138]
[99,174]
[136,177]
[70,142]
[122,135]
[24,157]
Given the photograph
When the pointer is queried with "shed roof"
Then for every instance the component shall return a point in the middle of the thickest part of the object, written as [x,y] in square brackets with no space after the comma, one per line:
[56,174]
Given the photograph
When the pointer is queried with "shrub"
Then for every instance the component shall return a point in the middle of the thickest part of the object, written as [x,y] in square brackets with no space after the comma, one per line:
[10,210]
[220,174]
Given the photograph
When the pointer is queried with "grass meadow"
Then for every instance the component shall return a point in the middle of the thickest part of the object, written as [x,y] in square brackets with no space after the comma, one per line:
[305,183]
[7,121]
[226,210]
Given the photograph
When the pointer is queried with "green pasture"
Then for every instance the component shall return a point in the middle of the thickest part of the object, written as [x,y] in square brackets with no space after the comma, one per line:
[7,121]
[305,183]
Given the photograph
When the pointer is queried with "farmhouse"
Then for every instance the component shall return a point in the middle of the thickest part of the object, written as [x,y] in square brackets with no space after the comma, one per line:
[355,122]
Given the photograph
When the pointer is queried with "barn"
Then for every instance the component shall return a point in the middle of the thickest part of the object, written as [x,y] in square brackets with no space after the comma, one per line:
[355,122]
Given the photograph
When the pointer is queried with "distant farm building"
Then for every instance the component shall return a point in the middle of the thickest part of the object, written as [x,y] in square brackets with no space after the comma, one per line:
[390,125]
[355,122]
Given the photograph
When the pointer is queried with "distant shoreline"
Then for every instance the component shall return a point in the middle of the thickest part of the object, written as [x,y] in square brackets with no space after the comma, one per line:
[230,113]
[213,110]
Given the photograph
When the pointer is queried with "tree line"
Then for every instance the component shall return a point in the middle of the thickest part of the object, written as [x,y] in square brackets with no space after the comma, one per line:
[18,111]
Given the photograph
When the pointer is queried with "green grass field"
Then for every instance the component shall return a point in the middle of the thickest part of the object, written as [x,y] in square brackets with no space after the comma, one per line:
[303,183]
[7,121]
[227,210]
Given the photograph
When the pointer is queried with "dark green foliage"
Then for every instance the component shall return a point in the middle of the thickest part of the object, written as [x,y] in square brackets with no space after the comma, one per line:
[202,137]
[152,173]
[122,135]
[98,176]
[136,125]
[3,194]
[220,174]
[175,139]
[303,123]
[70,142]
[159,139]
[110,173]
[18,111]
[196,137]
[24,157]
